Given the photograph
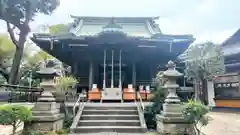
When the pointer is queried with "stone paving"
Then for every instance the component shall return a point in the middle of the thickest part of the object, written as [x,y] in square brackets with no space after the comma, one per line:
[112,133]
[221,124]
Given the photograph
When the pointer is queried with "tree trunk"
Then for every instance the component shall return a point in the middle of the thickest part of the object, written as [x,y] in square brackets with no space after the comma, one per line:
[14,74]
[197,90]
[204,92]
[14,129]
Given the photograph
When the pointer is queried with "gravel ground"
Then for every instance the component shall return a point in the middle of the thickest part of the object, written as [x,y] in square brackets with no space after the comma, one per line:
[223,124]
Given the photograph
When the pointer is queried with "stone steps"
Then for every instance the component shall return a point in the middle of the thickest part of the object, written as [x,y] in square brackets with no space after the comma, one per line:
[106,117]
[111,107]
[109,117]
[109,123]
[109,112]
[99,129]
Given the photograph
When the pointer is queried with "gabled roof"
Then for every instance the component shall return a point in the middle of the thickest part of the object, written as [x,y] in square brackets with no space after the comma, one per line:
[235,38]
[231,46]
[131,26]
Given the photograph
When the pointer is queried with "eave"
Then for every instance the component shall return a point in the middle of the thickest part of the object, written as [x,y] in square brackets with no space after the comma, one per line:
[49,43]
[232,39]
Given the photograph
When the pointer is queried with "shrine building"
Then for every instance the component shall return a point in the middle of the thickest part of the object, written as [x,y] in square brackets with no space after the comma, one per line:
[227,88]
[111,54]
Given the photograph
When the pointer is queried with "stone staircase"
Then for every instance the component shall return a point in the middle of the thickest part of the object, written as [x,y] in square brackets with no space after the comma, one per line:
[109,117]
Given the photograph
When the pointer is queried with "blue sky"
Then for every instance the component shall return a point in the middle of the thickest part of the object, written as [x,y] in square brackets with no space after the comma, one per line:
[213,20]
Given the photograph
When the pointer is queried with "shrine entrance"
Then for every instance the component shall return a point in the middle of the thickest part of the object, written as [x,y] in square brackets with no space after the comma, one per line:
[112,75]
[112,71]
[116,76]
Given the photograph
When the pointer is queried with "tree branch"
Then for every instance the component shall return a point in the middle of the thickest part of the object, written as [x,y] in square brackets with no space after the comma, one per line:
[25,25]
[10,19]
[12,36]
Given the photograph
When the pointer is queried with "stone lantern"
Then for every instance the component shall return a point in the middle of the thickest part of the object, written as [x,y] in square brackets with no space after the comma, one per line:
[171,120]
[47,75]
[46,112]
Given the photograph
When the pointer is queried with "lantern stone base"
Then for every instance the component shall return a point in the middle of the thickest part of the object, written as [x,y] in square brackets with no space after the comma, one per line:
[42,124]
[46,114]
[173,125]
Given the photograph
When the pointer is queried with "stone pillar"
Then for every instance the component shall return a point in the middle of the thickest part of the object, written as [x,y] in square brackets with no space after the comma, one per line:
[46,112]
[171,120]
[134,75]
[211,93]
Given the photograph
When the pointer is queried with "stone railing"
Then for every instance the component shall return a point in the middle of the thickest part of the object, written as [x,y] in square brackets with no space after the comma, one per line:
[18,93]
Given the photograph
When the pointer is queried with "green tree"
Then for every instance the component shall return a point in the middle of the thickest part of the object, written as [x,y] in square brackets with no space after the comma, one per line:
[58,29]
[195,113]
[18,14]
[203,62]
[32,63]
[7,50]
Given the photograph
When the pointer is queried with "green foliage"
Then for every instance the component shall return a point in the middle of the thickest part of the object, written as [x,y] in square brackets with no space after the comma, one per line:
[68,120]
[14,115]
[158,99]
[195,112]
[7,48]
[17,12]
[32,133]
[58,132]
[203,61]
[61,132]
[159,80]
[58,29]
[155,108]
[30,67]
[64,82]
[37,58]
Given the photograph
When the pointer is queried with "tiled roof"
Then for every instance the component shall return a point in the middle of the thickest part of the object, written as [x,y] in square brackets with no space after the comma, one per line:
[235,38]
[132,26]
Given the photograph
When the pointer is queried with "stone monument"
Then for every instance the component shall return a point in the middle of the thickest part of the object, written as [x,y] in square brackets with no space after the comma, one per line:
[171,120]
[46,112]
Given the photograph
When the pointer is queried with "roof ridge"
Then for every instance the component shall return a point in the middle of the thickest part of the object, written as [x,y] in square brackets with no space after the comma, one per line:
[115,17]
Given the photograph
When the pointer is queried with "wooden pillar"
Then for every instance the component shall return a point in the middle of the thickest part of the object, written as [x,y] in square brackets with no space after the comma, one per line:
[90,75]
[96,74]
[120,69]
[75,68]
[104,69]
[112,74]
[134,75]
